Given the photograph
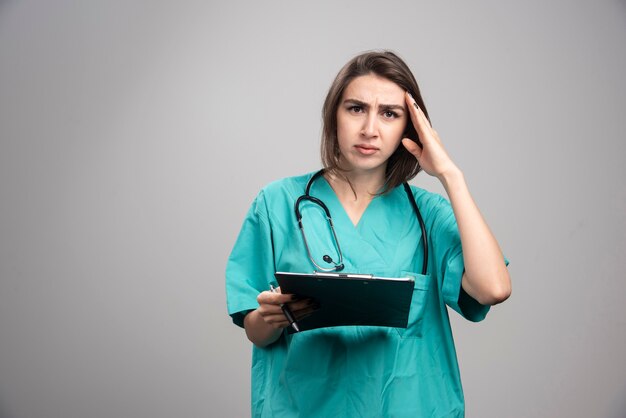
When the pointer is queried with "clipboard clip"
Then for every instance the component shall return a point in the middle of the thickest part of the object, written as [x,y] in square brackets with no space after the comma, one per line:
[343,275]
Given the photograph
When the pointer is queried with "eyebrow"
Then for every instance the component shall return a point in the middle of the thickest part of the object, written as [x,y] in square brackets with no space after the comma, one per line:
[382,106]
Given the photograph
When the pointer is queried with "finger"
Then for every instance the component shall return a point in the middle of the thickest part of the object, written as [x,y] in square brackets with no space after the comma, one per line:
[278,322]
[291,295]
[418,110]
[423,117]
[274,298]
[274,318]
[415,111]
[421,123]
[267,309]
[413,108]
[412,147]
[301,316]
[302,304]
[311,308]
[436,135]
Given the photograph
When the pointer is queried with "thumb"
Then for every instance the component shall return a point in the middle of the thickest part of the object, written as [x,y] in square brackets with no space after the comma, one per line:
[412,147]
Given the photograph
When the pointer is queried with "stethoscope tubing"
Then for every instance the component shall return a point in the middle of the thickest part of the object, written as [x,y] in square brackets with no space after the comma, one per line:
[339,264]
[409,193]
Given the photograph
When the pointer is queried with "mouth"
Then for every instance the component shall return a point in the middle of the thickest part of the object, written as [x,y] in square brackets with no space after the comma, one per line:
[366,149]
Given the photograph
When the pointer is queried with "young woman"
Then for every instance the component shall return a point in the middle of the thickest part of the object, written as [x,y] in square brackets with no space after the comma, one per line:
[376,137]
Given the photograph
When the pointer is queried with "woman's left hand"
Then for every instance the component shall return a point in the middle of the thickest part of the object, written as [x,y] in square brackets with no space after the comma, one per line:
[432,156]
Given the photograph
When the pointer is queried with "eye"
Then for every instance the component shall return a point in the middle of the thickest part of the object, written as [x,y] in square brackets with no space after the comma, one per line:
[389,114]
[356,109]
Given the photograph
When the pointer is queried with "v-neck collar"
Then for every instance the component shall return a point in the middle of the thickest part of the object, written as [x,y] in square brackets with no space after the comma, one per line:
[337,209]
[370,245]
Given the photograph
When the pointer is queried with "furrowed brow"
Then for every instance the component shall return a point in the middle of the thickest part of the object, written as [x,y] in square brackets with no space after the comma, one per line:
[356,102]
[391,107]
[382,106]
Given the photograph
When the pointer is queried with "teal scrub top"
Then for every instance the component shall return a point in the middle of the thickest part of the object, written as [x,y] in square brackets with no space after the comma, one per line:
[355,371]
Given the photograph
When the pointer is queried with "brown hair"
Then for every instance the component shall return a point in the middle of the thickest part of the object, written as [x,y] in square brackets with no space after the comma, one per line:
[402,166]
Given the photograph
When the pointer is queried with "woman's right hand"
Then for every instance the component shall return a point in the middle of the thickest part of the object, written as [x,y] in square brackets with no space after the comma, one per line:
[270,311]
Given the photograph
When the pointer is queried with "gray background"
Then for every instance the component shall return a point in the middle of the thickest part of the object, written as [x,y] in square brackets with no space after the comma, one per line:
[135,134]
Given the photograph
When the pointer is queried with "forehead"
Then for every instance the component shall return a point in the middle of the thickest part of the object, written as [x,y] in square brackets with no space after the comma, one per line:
[372,88]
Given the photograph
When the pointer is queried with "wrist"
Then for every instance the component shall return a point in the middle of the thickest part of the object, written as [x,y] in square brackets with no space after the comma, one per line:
[451,177]
[259,332]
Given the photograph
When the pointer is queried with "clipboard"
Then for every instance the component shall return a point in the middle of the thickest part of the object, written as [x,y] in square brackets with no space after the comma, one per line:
[350,299]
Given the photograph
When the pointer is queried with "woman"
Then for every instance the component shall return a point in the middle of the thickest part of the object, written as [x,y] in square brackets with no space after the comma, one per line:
[376,136]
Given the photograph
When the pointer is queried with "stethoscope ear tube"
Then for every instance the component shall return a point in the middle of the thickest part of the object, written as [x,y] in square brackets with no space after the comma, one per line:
[409,193]
[307,190]
[311,199]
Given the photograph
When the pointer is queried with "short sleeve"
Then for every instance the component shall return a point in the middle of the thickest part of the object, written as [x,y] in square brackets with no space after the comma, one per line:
[250,266]
[449,258]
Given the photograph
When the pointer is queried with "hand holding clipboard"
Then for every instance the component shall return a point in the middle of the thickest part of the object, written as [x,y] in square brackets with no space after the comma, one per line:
[273,304]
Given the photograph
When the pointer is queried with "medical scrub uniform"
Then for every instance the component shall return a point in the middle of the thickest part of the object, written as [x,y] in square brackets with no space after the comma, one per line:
[355,371]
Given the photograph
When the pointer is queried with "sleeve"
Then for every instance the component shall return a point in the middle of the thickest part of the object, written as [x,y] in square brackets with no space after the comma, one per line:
[250,267]
[450,265]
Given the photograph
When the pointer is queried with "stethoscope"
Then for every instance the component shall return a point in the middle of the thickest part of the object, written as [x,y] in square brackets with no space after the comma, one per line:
[338,265]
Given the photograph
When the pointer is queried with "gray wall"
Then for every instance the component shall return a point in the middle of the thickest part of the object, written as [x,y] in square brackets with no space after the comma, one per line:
[135,134]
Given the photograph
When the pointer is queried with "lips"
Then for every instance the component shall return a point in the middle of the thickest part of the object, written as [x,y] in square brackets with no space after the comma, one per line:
[366,149]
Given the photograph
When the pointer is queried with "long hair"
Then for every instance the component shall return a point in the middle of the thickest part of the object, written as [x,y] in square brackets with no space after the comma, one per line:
[402,166]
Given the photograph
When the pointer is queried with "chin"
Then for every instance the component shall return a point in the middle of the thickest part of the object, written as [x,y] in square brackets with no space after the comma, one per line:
[366,166]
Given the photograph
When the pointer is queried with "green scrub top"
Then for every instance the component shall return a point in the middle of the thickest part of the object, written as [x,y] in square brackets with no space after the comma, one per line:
[355,371]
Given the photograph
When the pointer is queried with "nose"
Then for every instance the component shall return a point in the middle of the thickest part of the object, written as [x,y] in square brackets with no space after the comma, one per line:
[370,126]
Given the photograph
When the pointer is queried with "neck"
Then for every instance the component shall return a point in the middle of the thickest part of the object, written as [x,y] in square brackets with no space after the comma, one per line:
[357,185]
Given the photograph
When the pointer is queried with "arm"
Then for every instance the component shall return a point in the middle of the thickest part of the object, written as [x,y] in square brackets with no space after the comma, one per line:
[486,277]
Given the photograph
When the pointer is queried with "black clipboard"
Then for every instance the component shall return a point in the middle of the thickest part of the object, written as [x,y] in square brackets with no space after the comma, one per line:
[350,299]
